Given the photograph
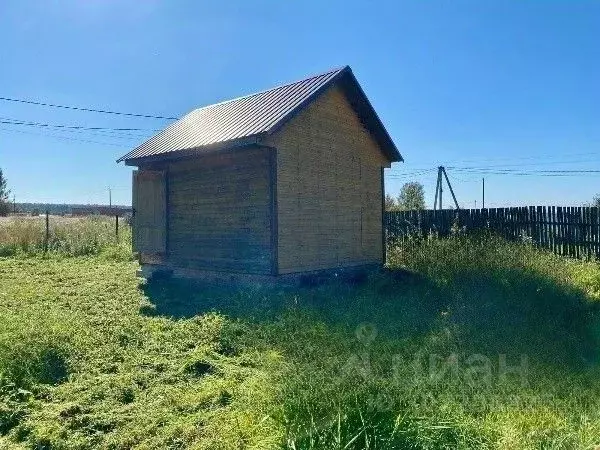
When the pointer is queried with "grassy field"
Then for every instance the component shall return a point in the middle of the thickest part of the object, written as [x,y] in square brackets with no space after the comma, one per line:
[411,359]
[68,236]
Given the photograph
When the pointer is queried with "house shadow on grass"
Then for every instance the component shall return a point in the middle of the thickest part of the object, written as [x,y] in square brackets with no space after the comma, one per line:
[504,311]
[399,301]
[511,312]
[516,312]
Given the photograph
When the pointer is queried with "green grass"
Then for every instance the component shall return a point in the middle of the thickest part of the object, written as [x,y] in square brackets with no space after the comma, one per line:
[68,236]
[91,359]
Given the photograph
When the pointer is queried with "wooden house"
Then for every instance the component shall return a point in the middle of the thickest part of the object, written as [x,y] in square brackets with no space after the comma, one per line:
[284,181]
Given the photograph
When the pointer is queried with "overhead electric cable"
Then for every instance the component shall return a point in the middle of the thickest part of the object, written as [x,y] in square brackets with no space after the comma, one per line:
[78,108]
[532,171]
[9,121]
[8,130]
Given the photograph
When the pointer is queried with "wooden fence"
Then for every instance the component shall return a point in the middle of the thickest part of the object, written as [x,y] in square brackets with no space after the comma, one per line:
[568,231]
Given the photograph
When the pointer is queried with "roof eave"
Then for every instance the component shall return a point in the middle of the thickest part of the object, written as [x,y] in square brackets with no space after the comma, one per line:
[174,155]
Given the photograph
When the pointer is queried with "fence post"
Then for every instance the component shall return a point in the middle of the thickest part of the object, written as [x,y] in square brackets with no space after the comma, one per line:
[47,235]
[117,227]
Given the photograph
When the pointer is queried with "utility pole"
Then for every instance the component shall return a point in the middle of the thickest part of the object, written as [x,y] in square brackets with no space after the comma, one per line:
[439,189]
[449,187]
[483,192]
[109,198]
[14,204]
[441,186]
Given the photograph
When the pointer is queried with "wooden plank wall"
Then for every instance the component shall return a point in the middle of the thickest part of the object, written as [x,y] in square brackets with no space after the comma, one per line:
[220,212]
[149,218]
[328,188]
[566,230]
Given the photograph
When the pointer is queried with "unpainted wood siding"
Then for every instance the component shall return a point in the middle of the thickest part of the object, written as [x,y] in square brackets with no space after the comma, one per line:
[149,218]
[329,190]
[220,210]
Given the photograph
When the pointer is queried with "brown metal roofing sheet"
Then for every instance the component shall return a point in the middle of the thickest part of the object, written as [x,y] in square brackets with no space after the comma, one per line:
[238,119]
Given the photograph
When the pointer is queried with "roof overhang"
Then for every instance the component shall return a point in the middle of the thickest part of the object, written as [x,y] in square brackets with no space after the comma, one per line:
[176,155]
[342,77]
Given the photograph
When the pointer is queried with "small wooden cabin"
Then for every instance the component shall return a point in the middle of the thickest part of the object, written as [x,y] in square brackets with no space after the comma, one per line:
[284,181]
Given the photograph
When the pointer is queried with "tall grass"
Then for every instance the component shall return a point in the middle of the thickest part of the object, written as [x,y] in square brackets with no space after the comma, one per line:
[91,235]
[382,364]
[466,305]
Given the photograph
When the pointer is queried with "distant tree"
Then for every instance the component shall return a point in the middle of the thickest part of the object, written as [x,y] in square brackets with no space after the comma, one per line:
[4,193]
[412,196]
[390,202]
[596,201]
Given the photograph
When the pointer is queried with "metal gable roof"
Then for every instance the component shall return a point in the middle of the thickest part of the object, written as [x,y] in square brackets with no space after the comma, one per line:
[243,120]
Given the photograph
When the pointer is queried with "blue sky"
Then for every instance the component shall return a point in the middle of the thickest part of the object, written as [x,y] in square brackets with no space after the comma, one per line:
[486,84]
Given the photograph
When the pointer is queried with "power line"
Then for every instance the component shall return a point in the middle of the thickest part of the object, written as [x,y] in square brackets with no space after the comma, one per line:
[102,133]
[531,174]
[68,138]
[485,169]
[9,121]
[78,108]
[526,172]
[414,173]
[497,170]
[419,173]
[541,163]
[545,156]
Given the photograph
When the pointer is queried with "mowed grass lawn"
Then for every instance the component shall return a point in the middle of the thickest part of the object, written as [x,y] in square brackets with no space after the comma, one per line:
[466,343]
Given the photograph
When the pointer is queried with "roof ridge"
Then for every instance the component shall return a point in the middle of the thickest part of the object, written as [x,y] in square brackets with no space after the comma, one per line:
[256,115]
[281,86]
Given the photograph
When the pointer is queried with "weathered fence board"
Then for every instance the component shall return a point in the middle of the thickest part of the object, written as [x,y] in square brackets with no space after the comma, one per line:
[569,231]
